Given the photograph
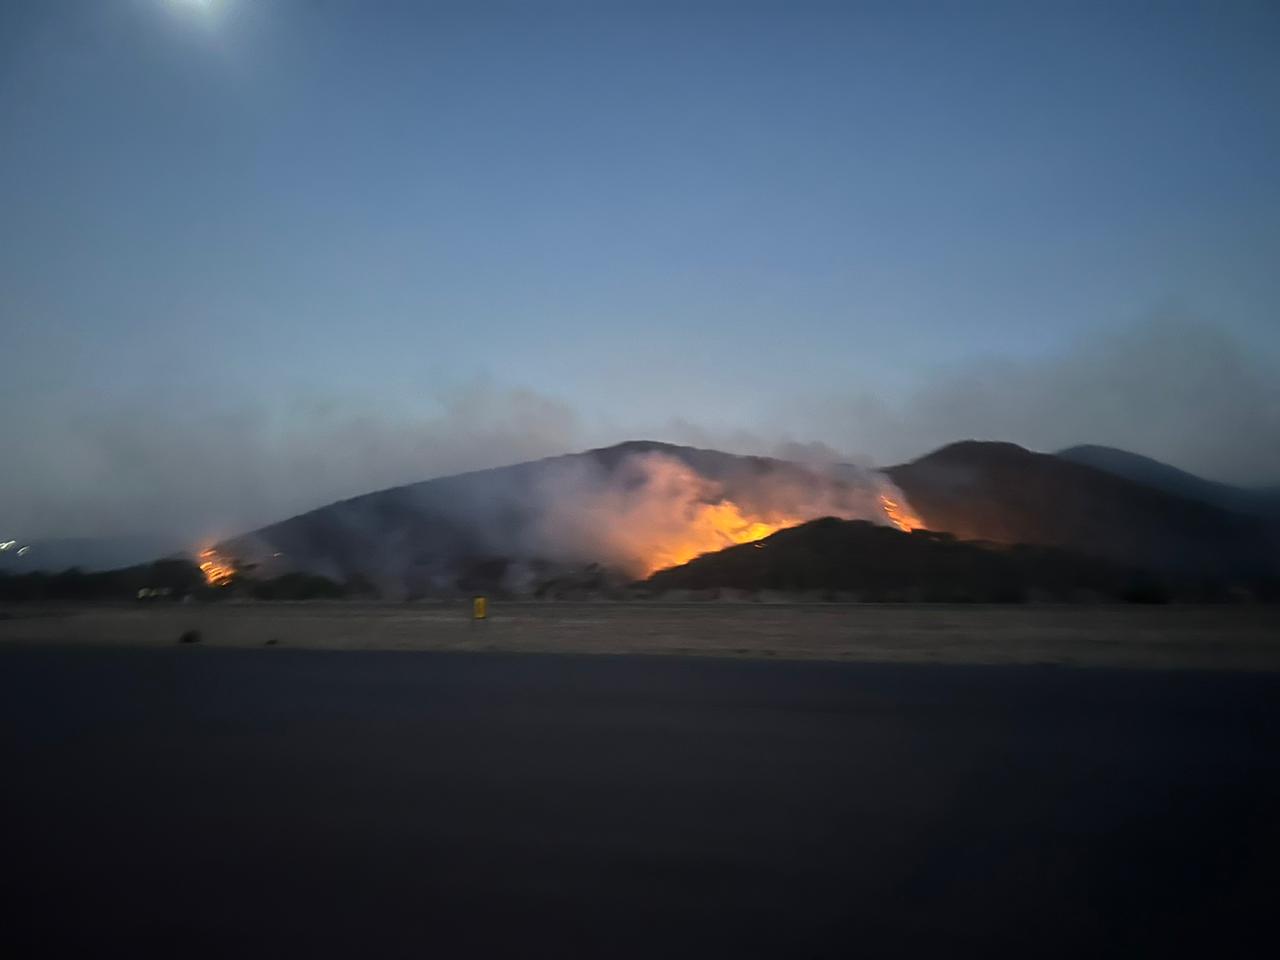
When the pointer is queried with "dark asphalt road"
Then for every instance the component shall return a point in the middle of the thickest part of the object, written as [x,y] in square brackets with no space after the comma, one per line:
[282,802]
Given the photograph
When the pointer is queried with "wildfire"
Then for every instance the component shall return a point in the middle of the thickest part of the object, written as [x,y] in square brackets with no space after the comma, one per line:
[715,526]
[712,527]
[659,512]
[900,514]
[217,570]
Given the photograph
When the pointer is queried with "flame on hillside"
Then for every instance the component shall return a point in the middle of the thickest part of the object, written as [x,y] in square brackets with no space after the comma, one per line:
[899,514]
[656,511]
[715,526]
[217,569]
[645,512]
[712,527]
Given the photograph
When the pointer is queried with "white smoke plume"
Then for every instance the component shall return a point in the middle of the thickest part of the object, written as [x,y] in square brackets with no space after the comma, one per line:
[632,509]
[656,510]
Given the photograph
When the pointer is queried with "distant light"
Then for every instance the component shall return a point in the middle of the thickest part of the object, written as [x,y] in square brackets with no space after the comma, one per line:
[8,545]
[22,551]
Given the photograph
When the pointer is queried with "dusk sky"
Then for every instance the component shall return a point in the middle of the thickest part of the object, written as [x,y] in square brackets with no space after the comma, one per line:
[259,254]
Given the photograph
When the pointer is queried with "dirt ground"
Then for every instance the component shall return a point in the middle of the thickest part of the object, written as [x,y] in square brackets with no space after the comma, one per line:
[1217,637]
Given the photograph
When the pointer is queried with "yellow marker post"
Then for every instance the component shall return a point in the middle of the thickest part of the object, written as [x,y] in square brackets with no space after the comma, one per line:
[479,608]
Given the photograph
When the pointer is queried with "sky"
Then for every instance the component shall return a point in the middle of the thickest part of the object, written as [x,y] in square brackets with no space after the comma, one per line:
[256,255]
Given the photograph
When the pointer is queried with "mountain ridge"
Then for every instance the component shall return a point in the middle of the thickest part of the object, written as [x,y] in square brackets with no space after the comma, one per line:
[1259,501]
[1003,493]
[837,559]
[517,527]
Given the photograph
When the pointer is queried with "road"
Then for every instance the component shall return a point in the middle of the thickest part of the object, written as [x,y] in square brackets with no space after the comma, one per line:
[337,803]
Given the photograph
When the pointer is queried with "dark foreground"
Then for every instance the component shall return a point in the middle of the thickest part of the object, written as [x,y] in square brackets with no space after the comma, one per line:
[285,802]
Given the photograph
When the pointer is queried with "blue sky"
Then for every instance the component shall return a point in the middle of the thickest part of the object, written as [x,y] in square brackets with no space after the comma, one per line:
[750,220]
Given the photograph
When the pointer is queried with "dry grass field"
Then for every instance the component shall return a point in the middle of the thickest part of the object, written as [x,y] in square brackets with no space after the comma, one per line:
[1216,637]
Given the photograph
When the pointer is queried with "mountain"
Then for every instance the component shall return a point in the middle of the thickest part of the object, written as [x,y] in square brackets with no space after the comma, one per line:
[856,560]
[1002,493]
[593,522]
[1152,473]
[614,514]
[512,528]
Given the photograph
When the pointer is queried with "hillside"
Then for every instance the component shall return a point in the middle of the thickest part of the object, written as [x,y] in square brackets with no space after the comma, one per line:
[511,528]
[608,515]
[1162,476]
[1005,494]
[863,561]
[590,523]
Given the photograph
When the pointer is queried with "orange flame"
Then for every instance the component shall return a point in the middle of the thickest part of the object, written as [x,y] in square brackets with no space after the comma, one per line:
[666,513]
[715,526]
[217,570]
[712,527]
[899,514]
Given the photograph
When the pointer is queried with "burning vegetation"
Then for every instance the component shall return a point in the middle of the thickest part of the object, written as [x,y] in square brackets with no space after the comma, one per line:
[655,511]
[629,511]
[712,527]
[595,524]
[218,570]
[715,526]
[899,514]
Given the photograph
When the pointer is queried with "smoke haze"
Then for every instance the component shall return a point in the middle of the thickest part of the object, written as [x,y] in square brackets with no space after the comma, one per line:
[190,466]
[655,510]
[621,512]
[183,468]
[1173,389]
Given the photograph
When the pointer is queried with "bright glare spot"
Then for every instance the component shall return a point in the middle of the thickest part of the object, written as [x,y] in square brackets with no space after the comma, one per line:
[8,545]
[22,551]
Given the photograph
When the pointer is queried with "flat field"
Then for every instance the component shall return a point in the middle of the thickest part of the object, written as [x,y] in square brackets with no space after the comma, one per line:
[1191,637]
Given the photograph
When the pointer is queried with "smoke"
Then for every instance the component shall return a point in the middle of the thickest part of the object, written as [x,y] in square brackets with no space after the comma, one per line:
[194,465]
[175,466]
[631,509]
[655,509]
[1176,389]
